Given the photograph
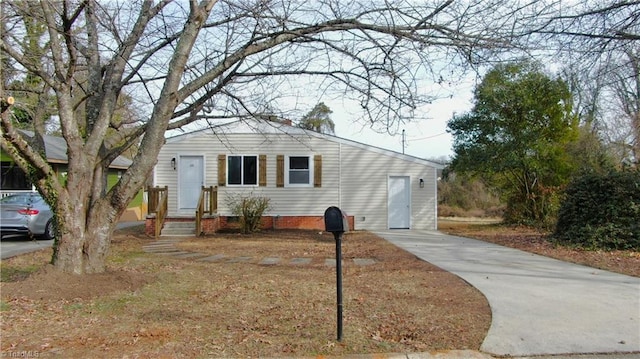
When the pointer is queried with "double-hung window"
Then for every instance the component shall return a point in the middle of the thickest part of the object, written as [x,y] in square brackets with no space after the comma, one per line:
[298,171]
[242,170]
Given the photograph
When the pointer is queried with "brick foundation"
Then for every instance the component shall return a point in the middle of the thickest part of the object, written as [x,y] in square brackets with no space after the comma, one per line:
[211,225]
[285,222]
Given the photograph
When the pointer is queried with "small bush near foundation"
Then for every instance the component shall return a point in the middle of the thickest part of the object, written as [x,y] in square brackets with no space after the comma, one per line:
[249,209]
[601,212]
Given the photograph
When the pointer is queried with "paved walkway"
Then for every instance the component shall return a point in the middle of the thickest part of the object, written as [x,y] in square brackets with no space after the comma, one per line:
[540,306]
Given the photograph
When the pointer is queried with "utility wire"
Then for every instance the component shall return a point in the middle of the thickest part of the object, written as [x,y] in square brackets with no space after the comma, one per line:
[428,137]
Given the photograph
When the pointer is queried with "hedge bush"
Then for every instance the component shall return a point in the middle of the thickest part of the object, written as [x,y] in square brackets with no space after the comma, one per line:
[601,212]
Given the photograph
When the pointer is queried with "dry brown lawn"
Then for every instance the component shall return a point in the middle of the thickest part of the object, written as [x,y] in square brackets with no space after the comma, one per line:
[150,305]
[156,306]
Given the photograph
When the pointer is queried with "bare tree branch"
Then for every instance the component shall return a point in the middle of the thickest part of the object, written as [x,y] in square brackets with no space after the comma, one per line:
[177,64]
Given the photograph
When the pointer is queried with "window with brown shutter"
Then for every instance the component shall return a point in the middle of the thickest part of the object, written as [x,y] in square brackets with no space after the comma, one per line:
[262,172]
[317,171]
[280,171]
[222,170]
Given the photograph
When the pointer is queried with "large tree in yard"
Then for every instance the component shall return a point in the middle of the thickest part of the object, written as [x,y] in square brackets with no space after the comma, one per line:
[516,139]
[175,63]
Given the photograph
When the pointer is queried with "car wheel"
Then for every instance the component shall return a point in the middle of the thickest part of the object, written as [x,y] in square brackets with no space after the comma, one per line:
[49,230]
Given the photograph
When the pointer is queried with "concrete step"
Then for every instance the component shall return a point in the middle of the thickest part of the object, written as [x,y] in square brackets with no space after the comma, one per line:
[172,229]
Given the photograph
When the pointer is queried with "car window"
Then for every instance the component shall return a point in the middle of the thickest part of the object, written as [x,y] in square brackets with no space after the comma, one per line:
[20,199]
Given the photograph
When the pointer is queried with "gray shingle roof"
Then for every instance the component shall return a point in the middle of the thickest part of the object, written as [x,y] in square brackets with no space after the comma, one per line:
[56,151]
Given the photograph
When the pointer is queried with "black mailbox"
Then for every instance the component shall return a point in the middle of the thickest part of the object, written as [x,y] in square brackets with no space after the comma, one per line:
[335,220]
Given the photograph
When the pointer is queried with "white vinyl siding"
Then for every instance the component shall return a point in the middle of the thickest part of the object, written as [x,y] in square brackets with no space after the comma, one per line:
[354,176]
[364,188]
[288,201]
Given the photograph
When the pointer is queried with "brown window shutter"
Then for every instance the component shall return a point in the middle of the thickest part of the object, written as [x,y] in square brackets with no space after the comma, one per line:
[262,168]
[317,171]
[222,170]
[280,171]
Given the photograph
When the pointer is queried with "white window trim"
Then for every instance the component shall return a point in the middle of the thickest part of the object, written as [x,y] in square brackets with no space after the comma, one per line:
[286,171]
[242,169]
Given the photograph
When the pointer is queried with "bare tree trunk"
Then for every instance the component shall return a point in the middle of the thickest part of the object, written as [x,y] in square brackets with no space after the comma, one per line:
[97,240]
[70,240]
[82,251]
[83,238]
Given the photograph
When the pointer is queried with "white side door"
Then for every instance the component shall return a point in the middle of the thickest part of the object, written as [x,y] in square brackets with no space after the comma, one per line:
[399,202]
[190,181]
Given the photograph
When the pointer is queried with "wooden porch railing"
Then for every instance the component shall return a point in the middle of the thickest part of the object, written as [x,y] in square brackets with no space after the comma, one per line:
[207,204]
[158,203]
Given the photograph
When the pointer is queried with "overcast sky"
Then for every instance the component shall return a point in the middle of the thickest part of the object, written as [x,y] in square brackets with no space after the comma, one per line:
[425,138]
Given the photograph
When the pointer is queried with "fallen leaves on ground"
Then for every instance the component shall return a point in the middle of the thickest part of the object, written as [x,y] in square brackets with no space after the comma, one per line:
[154,306]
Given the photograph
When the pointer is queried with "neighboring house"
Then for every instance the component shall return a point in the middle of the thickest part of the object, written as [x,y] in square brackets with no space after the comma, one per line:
[301,172]
[13,179]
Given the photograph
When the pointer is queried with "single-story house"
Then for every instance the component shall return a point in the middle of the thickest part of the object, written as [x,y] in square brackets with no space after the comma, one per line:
[14,180]
[302,173]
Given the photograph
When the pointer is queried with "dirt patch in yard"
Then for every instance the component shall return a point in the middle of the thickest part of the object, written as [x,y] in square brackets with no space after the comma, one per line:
[32,277]
[50,284]
[150,305]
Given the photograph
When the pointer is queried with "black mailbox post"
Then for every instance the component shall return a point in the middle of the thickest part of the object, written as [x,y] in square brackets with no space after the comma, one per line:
[335,221]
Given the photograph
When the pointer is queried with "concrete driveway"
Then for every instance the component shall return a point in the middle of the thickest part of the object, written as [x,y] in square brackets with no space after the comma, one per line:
[11,247]
[540,306]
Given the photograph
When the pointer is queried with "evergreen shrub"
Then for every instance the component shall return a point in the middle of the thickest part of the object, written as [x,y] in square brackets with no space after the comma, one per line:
[601,211]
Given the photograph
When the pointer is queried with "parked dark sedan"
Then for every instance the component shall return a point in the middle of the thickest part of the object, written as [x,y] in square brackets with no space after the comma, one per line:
[26,214]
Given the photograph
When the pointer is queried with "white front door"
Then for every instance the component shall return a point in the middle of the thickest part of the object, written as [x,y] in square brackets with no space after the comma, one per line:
[190,181]
[399,203]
